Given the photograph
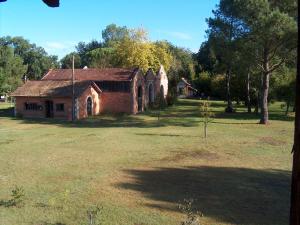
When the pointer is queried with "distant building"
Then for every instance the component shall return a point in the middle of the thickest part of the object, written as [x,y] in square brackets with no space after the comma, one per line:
[185,89]
[112,90]
[2,98]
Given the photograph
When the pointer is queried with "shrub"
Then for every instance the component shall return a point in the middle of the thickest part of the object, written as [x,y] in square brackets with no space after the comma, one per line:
[17,196]
[92,214]
[192,215]
[158,105]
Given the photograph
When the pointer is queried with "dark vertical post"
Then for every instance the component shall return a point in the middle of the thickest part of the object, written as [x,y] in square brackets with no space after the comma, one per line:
[295,189]
[73,90]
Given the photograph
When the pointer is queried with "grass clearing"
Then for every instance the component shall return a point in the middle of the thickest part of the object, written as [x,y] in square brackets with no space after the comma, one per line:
[139,169]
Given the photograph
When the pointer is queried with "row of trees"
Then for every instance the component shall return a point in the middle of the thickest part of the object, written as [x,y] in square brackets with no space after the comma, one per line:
[19,58]
[119,47]
[250,53]
[124,47]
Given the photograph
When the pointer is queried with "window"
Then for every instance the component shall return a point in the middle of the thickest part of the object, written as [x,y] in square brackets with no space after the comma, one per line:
[31,106]
[114,86]
[60,107]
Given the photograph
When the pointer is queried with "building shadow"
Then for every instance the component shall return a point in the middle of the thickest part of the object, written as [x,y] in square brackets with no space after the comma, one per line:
[185,114]
[55,223]
[232,195]
[7,112]
[6,203]
[165,135]
[238,116]
[113,121]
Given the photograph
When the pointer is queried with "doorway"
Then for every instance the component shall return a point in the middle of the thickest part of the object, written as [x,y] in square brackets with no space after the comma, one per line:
[49,109]
[140,98]
[89,106]
[151,94]
[162,92]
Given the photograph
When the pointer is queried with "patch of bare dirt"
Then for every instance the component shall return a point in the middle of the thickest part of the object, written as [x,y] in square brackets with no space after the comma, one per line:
[178,156]
[272,141]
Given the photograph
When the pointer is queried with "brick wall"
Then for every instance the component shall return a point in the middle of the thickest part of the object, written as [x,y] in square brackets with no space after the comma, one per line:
[161,81]
[67,113]
[82,103]
[20,107]
[116,102]
[138,81]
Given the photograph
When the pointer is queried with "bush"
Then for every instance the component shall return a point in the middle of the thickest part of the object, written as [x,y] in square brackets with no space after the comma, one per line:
[192,215]
[93,214]
[171,98]
[17,195]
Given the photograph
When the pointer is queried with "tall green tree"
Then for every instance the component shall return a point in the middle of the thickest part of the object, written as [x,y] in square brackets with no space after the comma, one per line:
[224,30]
[113,33]
[272,28]
[295,185]
[182,64]
[82,50]
[67,61]
[284,86]
[206,58]
[12,70]
[101,58]
[137,50]
[36,58]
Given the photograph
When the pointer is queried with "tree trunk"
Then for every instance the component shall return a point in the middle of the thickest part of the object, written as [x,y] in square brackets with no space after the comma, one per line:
[264,105]
[257,103]
[205,129]
[265,90]
[287,107]
[295,190]
[248,93]
[229,108]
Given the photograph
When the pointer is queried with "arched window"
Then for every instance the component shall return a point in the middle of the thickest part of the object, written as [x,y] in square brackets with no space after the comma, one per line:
[89,106]
[162,94]
[151,94]
[140,98]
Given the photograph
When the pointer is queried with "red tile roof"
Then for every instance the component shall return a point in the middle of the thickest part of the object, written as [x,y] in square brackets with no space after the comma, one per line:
[53,88]
[108,74]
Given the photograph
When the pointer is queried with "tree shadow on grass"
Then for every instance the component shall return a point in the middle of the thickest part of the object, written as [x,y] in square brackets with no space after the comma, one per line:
[232,195]
[185,114]
[6,203]
[165,135]
[114,121]
[55,223]
[238,116]
[7,112]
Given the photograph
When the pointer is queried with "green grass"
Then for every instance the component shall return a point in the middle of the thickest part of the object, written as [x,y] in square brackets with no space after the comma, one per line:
[139,169]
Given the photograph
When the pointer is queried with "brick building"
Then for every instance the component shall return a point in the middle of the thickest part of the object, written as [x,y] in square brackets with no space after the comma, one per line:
[185,89]
[111,90]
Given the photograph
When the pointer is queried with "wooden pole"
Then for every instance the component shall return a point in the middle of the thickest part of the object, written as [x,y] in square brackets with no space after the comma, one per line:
[73,90]
[295,189]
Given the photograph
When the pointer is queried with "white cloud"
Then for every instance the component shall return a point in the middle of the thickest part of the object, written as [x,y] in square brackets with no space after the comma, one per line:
[59,48]
[59,45]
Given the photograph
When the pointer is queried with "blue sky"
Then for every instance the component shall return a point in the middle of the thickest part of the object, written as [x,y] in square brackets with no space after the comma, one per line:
[58,30]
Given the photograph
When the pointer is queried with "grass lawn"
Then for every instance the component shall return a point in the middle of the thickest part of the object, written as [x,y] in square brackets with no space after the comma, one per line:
[138,169]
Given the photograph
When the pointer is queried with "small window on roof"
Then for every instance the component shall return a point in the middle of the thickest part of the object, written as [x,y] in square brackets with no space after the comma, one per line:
[60,107]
